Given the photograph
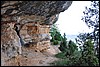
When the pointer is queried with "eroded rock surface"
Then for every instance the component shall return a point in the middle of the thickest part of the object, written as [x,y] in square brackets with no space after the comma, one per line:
[39,8]
[26,24]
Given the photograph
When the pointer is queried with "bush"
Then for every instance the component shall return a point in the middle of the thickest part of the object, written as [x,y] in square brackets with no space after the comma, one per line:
[62,62]
[55,42]
[60,55]
[63,45]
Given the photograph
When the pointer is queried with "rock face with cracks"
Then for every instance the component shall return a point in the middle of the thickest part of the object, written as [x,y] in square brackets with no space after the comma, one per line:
[27,24]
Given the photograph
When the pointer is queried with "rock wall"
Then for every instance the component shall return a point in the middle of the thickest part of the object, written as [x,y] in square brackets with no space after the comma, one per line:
[36,35]
[10,41]
[27,24]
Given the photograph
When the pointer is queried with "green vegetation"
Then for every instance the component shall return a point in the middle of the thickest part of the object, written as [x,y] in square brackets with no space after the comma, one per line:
[63,44]
[88,55]
[55,42]
[61,55]
[61,62]
[91,18]
[55,34]
[70,56]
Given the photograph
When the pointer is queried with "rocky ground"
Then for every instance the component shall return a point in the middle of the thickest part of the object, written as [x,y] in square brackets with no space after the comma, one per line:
[30,57]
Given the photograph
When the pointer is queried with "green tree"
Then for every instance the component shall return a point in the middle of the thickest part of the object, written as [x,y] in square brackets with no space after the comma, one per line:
[55,34]
[70,54]
[72,47]
[91,18]
[87,41]
[63,45]
[88,57]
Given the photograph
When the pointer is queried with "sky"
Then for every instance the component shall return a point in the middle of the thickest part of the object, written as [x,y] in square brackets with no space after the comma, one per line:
[70,22]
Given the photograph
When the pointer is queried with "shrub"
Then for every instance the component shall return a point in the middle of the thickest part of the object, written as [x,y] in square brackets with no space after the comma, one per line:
[63,45]
[62,62]
[55,42]
[60,55]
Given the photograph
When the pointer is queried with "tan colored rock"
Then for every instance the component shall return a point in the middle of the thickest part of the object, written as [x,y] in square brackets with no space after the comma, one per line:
[36,35]
[27,23]
[10,45]
[34,32]
[42,46]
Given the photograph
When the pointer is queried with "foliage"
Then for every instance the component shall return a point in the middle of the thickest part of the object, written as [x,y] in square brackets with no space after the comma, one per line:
[91,14]
[88,57]
[72,60]
[61,55]
[63,44]
[84,57]
[69,53]
[88,40]
[71,48]
[91,18]
[55,34]
[73,57]
[58,36]
[72,54]
[61,62]
[55,42]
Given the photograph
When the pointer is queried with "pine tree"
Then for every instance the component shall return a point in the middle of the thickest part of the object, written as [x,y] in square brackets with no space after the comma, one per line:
[63,45]
[55,34]
[88,57]
[91,18]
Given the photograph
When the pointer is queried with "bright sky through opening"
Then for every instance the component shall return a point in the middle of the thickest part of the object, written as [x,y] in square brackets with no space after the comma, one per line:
[70,22]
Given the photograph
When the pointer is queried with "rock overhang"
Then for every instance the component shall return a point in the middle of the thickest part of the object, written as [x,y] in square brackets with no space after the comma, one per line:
[44,9]
[27,23]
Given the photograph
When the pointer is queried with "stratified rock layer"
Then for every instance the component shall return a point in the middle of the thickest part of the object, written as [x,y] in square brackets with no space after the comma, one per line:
[26,24]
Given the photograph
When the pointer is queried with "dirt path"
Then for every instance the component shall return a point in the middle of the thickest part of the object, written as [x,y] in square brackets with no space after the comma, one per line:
[40,59]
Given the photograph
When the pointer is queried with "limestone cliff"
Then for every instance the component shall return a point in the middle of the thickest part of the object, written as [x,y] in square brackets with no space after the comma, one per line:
[27,24]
